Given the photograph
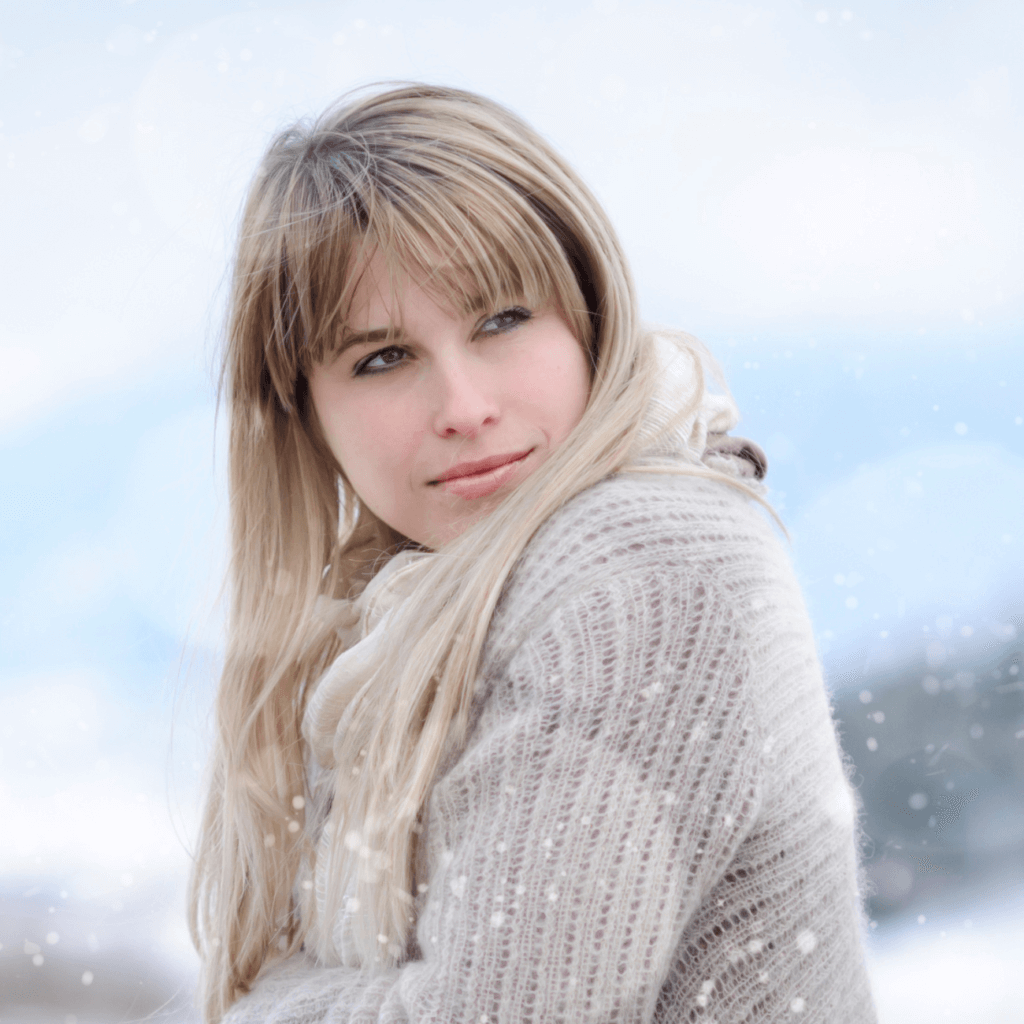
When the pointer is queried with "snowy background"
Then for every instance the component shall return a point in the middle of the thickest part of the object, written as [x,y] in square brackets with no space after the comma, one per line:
[829,197]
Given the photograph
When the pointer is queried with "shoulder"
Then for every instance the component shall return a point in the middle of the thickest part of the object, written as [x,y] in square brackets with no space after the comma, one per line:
[670,528]
[631,522]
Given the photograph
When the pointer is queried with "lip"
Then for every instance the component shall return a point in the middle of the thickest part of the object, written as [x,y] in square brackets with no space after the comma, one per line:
[479,484]
[481,465]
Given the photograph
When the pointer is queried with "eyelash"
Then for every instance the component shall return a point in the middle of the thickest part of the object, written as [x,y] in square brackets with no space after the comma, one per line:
[514,317]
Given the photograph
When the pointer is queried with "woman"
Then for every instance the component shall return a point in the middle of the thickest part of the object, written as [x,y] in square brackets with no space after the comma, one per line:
[521,717]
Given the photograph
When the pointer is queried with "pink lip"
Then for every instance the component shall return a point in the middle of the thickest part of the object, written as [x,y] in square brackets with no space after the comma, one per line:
[464,482]
[481,465]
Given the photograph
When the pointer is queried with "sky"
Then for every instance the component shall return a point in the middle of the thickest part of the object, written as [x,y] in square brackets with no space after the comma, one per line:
[828,195]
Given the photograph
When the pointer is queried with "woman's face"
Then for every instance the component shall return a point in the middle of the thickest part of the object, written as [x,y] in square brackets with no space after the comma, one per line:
[411,421]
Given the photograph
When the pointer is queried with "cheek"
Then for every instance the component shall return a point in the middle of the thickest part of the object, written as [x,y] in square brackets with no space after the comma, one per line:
[374,441]
[564,386]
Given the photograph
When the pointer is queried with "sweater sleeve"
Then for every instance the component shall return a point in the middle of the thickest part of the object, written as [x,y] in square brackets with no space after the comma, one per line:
[612,775]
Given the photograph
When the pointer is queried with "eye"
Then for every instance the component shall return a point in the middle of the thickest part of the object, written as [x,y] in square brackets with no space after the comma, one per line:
[387,357]
[506,320]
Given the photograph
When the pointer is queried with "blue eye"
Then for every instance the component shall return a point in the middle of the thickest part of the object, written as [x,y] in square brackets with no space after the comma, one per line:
[393,355]
[505,320]
[363,367]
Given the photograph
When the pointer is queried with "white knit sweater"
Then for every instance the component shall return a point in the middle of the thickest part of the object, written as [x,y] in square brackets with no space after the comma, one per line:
[651,820]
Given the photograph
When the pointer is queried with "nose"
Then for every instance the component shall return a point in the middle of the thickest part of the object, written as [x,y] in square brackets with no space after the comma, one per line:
[466,397]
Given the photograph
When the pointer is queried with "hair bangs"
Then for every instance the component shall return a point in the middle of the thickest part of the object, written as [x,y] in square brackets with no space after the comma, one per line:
[476,246]
[331,249]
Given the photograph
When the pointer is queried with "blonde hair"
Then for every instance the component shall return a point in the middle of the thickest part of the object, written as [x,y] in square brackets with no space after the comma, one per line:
[454,189]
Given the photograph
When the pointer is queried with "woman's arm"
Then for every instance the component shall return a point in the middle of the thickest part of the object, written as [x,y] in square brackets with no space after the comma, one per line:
[614,771]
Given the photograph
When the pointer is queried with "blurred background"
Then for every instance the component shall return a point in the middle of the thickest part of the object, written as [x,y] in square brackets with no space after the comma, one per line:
[829,196]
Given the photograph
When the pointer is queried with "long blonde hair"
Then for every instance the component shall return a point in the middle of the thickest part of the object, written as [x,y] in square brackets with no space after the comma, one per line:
[453,189]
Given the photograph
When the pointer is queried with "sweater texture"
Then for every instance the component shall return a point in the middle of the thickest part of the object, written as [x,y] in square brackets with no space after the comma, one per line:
[651,820]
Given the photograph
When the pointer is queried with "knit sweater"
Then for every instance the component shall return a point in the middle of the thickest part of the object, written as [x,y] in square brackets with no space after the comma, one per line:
[650,819]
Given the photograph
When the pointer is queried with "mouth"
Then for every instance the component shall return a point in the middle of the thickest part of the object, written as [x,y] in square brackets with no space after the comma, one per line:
[479,484]
[480,467]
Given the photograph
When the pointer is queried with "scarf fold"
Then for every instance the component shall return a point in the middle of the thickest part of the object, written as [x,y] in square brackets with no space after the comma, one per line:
[702,436]
[361,622]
